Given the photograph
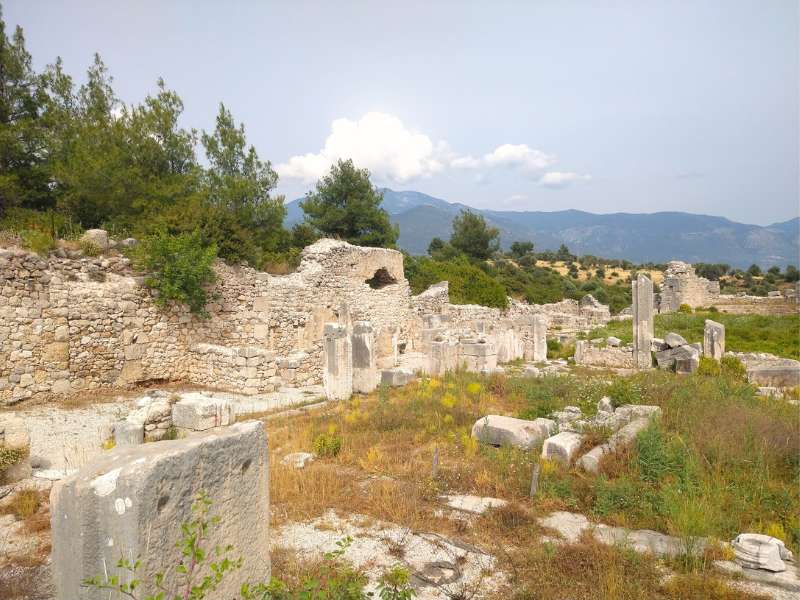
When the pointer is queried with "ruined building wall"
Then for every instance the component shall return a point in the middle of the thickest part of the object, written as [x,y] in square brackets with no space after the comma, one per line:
[68,325]
[682,286]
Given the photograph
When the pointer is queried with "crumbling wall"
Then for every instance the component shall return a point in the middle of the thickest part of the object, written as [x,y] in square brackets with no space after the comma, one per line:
[682,286]
[68,325]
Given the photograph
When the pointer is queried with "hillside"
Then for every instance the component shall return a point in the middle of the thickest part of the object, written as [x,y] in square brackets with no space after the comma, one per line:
[640,238]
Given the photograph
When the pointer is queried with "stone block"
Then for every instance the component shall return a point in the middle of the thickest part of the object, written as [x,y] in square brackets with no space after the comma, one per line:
[131,501]
[673,340]
[97,236]
[642,293]
[132,371]
[337,375]
[14,435]
[365,370]
[590,461]
[197,412]
[613,341]
[128,433]
[61,333]
[759,551]
[562,447]
[713,340]
[397,377]
[56,352]
[507,431]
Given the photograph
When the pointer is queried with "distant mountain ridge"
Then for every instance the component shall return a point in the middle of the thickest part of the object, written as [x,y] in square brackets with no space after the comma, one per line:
[654,237]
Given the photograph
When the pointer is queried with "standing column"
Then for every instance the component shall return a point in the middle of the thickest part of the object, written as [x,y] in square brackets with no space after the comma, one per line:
[642,292]
[714,340]
[539,338]
[365,372]
[337,375]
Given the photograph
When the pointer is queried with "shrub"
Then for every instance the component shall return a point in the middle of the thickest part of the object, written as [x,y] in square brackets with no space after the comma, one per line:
[623,390]
[179,267]
[10,456]
[685,308]
[90,248]
[327,444]
[24,504]
[733,367]
[38,241]
[709,367]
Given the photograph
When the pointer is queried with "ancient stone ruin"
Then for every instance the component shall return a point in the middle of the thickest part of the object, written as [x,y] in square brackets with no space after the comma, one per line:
[682,286]
[347,314]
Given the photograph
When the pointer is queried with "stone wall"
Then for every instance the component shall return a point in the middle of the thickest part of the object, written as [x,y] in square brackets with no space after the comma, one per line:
[682,286]
[68,325]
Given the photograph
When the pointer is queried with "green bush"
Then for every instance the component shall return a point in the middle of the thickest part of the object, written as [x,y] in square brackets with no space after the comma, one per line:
[327,445]
[659,455]
[90,248]
[468,283]
[179,268]
[733,367]
[685,308]
[709,367]
[10,457]
[38,241]
[624,391]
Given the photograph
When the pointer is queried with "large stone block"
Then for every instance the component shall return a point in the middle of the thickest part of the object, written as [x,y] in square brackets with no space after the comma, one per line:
[507,431]
[562,447]
[714,340]
[97,236]
[365,371]
[539,338]
[128,433]
[14,435]
[397,377]
[590,461]
[197,412]
[131,502]
[337,375]
[57,352]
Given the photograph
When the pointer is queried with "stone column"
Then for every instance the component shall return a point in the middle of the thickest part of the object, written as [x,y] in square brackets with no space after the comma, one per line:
[365,371]
[539,338]
[642,291]
[130,503]
[337,375]
[714,340]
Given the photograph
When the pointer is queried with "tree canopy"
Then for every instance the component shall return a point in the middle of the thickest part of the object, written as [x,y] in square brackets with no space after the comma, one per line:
[472,236]
[345,205]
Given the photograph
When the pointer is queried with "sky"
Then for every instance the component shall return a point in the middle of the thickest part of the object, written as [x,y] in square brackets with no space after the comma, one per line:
[601,105]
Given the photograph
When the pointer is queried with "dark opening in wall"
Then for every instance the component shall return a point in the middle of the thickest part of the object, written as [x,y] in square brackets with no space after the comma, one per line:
[381,279]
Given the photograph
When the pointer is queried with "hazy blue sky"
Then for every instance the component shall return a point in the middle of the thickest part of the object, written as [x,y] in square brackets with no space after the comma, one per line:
[603,106]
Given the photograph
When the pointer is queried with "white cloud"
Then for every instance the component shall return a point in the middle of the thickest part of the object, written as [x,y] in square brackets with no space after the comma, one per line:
[559,179]
[377,141]
[519,155]
[391,151]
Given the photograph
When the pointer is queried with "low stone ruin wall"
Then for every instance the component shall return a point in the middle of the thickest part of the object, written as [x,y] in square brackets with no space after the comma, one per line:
[589,354]
[681,285]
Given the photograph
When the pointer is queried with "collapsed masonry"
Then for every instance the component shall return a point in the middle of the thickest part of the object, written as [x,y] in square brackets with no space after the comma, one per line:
[68,325]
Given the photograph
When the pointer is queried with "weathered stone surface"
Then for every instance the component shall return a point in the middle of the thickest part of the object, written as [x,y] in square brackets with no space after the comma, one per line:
[562,447]
[758,551]
[131,502]
[14,435]
[642,292]
[613,341]
[198,412]
[605,404]
[666,359]
[97,236]
[337,377]
[673,340]
[128,433]
[539,338]
[682,286]
[298,460]
[507,431]
[365,370]
[397,377]
[590,461]
[714,340]
[472,504]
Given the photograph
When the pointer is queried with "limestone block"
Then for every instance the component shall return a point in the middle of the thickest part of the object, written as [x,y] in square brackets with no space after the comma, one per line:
[365,371]
[337,376]
[298,460]
[562,447]
[605,404]
[198,412]
[397,377]
[507,431]
[714,340]
[128,433]
[131,501]
[132,371]
[590,461]
[758,551]
[57,352]
[673,340]
[97,236]
[61,387]
[666,359]
[61,333]
[134,351]
[613,341]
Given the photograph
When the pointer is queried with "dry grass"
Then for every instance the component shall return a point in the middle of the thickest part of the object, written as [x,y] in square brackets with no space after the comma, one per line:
[23,505]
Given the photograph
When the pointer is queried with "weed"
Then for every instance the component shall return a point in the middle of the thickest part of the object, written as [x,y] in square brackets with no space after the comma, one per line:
[90,248]
[24,504]
[327,444]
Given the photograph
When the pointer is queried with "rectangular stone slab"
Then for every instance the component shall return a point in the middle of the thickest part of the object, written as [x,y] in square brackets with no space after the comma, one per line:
[133,500]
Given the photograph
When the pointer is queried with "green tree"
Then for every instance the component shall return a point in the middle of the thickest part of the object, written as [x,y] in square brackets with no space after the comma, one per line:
[520,249]
[24,172]
[563,253]
[472,236]
[345,205]
[239,186]
[754,270]
[792,274]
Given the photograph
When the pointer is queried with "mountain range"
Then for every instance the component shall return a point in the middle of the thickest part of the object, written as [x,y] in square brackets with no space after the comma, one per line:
[640,238]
